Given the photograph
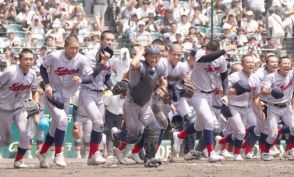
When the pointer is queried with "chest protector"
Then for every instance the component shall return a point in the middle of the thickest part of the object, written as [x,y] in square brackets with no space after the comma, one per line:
[141,93]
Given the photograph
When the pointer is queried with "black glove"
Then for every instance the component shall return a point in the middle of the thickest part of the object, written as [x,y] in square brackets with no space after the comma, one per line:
[241,87]
[121,87]
[277,92]
[57,100]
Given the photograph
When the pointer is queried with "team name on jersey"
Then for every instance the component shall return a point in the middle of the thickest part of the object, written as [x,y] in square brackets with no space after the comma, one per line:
[19,87]
[284,86]
[61,71]
[211,69]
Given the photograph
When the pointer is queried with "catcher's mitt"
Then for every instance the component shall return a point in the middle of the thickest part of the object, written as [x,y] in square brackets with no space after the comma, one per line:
[188,90]
[121,87]
[76,133]
[32,107]
[163,93]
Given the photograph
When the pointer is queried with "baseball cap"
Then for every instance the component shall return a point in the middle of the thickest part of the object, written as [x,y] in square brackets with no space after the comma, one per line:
[249,13]
[227,26]
[141,23]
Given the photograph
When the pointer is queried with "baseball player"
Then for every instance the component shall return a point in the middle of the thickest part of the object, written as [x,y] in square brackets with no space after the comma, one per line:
[255,133]
[16,83]
[91,94]
[178,71]
[240,102]
[278,87]
[207,65]
[85,126]
[159,109]
[61,72]
[143,78]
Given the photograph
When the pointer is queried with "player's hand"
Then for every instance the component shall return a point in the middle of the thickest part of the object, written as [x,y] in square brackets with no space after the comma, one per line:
[48,90]
[224,100]
[232,91]
[105,56]
[77,79]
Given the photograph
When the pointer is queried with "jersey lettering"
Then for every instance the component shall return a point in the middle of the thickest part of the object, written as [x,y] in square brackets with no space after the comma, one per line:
[61,71]
[19,87]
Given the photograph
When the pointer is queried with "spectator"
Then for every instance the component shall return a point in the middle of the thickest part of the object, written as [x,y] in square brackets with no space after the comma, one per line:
[249,25]
[10,13]
[25,16]
[12,40]
[100,7]
[141,37]
[198,18]
[171,35]
[121,63]
[113,117]
[184,25]
[37,29]
[57,32]
[143,11]
[151,24]
[275,25]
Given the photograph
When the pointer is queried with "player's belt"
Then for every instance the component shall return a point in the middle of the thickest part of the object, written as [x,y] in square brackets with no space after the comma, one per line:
[208,92]
[96,90]
[281,105]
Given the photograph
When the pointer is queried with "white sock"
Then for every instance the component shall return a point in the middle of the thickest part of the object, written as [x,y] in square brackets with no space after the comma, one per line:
[78,153]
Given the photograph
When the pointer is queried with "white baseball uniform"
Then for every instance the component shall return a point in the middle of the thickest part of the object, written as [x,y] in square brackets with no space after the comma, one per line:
[15,88]
[279,108]
[61,71]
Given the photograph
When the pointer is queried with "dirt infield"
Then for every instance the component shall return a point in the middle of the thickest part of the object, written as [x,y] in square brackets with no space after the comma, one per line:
[78,168]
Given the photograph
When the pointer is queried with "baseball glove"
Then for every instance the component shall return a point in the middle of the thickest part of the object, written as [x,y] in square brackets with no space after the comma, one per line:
[121,87]
[32,107]
[277,92]
[57,100]
[188,90]
[241,87]
[76,133]
[163,94]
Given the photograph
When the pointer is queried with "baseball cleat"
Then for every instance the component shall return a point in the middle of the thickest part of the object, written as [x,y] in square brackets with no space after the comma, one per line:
[42,159]
[59,160]
[177,142]
[96,159]
[20,164]
[120,156]
[226,154]
[214,157]
[193,155]
[150,163]
[238,157]
[290,154]
[249,155]
[274,151]
[135,157]
[266,157]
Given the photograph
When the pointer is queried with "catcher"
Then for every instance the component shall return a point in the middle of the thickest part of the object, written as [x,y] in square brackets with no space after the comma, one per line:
[16,84]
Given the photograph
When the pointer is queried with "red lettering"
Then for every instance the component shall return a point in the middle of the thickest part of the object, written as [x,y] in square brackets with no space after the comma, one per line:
[19,87]
[211,69]
[285,86]
[61,71]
